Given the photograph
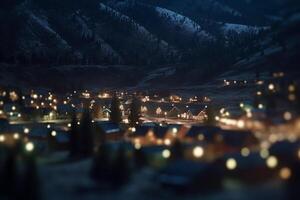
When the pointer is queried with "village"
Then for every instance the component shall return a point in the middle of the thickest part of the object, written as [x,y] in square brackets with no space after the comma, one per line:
[192,144]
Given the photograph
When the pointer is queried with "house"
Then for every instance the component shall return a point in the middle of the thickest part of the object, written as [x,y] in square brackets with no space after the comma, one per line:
[234,140]
[202,133]
[286,151]
[111,130]
[188,176]
[249,169]
[174,113]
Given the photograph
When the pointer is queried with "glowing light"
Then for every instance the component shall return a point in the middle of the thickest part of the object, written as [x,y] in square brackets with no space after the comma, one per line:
[137,146]
[166,153]
[271,86]
[69,125]
[287,116]
[240,124]
[53,133]
[2,138]
[242,105]
[133,129]
[258,93]
[174,130]
[198,152]
[167,142]
[264,153]
[16,136]
[13,108]
[272,162]
[231,164]
[285,173]
[292,97]
[245,152]
[292,88]
[29,146]
[260,106]
[26,130]
[48,126]
[201,137]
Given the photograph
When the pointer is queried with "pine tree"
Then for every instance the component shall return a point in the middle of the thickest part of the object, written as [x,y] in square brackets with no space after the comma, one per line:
[51,141]
[210,112]
[74,144]
[30,189]
[140,159]
[101,168]
[86,134]
[135,112]
[177,151]
[120,169]
[8,174]
[115,115]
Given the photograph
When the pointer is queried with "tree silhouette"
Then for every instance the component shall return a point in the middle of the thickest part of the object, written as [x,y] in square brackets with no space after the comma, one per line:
[140,159]
[74,144]
[30,189]
[101,169]
[177,151]
[211,114]
[115,115]
[120,169]
[86,134]
[135,112]
[8,174]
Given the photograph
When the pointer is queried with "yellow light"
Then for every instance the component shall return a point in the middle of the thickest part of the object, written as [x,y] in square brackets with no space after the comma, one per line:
[272,162]
[174,130]
[264,153]
[137,146]
[69,125]
[29,146]
[13,108]
[241,124]
[2,138]
[285,173]
[271,86]
[16,136]
[201,137]
[242,105]
[26,130]
[167,142]
[231,164]
[287,116]
[166,153]
[133,129]
[292,88]
[245,152]
[258,93]
[198,152]
[53,133]
[217,118]
[292,97]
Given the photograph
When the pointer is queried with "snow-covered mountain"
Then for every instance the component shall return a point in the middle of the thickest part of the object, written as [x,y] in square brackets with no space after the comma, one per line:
[193,39]
[114,31]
